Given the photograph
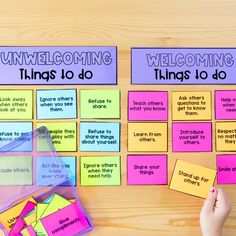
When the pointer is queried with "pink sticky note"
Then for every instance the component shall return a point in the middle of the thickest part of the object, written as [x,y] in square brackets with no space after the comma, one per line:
[20,224]
[225,104]
[148,105]
[147,169]
[226,169]
[192,137]
[69,220]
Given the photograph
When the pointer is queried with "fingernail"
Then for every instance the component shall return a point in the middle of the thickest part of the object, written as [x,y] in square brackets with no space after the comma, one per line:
[212,189]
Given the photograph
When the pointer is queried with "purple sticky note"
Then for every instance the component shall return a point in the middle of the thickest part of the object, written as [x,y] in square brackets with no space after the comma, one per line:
[58,65]
[225,104]
[146,169]
[148,105]
[192,137]
[183,65]
[69,220]
[20,224]
[226,169]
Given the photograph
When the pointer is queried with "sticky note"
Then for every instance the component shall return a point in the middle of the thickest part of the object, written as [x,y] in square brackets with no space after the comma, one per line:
[16,104]
[225,105]
[226,169]
[56,104]
[64,136]
[100,170]
[48,172]
[147,169]
[8,218]
[16,170]
[100,136]
[192,179]
[29,219]
[148,105]
[192,137]
[41,207]
[100,104]
[10,131]
[191,105]
[57,202]
[147,137]
[69,220]
[20,224]
[226,136]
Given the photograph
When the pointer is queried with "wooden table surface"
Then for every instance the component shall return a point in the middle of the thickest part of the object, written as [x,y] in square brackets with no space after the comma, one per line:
[131,210]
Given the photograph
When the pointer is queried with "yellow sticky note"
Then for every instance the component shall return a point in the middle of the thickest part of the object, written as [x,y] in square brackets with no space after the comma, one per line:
[64,136]
[192,179]
[8,218]
[147,137]
[16,104]
[191,105]
[29,219]
[226,136]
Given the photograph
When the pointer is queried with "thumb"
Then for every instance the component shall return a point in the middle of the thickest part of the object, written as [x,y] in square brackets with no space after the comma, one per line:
[211,199]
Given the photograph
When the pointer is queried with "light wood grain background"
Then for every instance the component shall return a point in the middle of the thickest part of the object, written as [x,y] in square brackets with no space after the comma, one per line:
[129,210]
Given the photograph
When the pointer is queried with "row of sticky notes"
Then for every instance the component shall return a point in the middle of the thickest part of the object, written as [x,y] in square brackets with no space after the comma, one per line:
[19,170]
[142,137]
[186,137]
[186,105]
[60,104]
[141,170]
[56,215]
[105,104]
[94,136]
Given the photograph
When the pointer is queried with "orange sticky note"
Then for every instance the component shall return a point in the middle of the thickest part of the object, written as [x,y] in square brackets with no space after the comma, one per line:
[8,218]
[147,137]
[192,179]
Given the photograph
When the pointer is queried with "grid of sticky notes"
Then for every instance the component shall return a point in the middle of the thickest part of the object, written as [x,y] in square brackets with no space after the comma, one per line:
[193,115]
[85,120]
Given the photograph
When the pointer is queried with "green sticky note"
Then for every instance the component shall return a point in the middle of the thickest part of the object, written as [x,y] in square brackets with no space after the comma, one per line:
[100,170]
[64,136]
[57,203]
[16,104]
[40,208]
[16,170]
[101,104]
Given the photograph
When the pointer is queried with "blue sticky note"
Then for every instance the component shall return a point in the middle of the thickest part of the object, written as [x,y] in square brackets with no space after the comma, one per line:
[56,104]
[49,172]
[20,131]
[100,136]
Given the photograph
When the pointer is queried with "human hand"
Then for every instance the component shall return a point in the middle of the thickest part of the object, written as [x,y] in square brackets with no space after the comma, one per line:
[214,213]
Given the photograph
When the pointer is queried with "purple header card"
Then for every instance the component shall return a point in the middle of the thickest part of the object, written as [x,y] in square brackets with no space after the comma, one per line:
[58,65]
[183,65]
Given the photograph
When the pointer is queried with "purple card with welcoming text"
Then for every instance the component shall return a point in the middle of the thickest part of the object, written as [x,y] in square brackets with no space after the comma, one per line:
[183,66]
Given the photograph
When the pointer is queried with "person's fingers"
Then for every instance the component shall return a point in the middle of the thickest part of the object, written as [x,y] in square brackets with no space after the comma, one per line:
[223,202]
[211,199]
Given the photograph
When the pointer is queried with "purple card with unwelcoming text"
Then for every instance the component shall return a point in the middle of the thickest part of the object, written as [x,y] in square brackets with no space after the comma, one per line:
[58,65]
[183,65]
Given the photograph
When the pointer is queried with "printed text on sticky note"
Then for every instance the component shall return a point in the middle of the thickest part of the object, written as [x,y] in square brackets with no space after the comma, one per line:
[100,104]
[191,105]
[100,170]
[192,179]
[226,136]
[147,137]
